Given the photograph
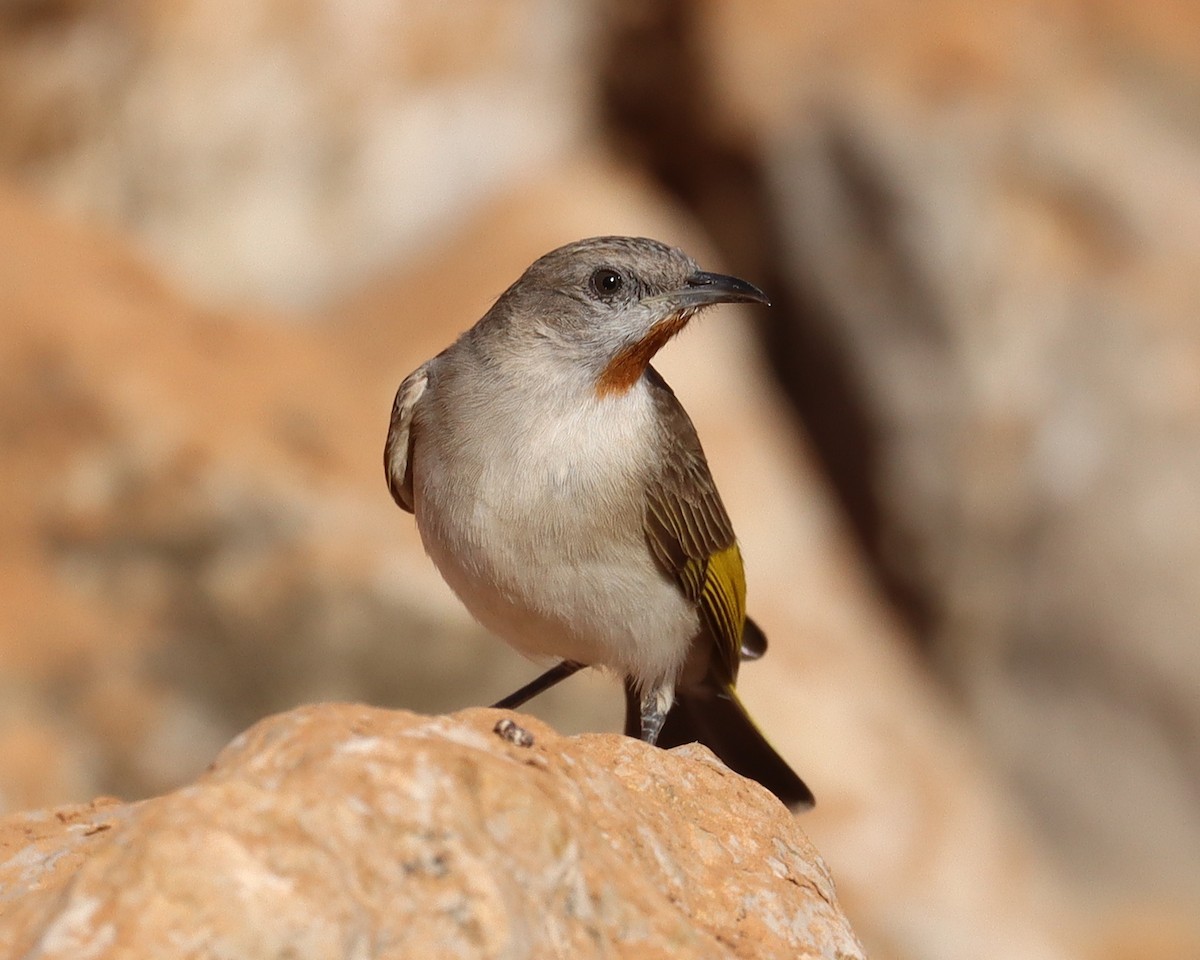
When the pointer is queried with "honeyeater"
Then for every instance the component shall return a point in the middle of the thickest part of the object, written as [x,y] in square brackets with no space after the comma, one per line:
[561,490]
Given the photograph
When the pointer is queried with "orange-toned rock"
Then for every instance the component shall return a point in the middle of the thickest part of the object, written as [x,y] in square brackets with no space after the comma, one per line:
[205,537]
[342,831]
[980,224]
[194,530]
[269,149]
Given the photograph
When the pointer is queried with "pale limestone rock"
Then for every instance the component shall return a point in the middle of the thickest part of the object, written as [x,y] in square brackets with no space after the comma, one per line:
[212,540]
[193,530]
[343,831]
[1024,324]
[933,857]
[980,223]
[268,150]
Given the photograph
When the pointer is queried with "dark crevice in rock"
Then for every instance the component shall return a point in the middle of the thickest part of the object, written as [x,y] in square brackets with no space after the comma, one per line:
[653,104]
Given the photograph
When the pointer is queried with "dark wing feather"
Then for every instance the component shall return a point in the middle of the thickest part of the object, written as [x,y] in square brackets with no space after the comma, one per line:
[690,535]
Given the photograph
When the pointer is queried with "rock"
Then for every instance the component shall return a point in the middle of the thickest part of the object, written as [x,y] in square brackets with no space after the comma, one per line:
[193,538]
[933,856]
[941,199]
[980,228]
[211,540]
[189,541]
[268,151]
[345,831]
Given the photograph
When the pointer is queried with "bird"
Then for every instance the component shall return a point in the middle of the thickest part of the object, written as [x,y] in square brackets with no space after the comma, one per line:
[561,490]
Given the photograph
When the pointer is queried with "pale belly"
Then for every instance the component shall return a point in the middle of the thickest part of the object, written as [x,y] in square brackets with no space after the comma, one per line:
[553,559]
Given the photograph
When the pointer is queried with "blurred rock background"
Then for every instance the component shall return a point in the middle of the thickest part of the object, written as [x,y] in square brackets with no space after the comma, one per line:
[962,449]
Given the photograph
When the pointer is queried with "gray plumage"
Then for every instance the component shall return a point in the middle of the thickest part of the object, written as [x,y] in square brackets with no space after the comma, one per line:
[560,487]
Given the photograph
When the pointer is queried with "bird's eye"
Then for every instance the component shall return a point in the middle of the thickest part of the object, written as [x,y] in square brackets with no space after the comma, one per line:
[606,282]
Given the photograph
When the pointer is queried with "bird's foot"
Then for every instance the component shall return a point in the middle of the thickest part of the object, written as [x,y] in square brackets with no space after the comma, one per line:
[656,704]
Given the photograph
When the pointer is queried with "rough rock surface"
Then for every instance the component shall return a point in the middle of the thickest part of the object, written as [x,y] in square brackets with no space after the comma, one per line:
[343,831]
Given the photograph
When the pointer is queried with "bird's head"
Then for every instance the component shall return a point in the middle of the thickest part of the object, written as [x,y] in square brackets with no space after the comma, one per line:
[610,303]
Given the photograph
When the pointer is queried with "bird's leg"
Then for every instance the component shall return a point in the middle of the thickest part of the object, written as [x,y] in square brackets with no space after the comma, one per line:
[656,704]
[550,678]
[633,710]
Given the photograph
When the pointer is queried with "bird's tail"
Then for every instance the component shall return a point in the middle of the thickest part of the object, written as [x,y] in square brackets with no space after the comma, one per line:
[713,715]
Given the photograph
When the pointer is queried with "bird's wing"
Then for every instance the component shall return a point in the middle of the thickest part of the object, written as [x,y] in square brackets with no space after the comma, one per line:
[690,535]
[397,452]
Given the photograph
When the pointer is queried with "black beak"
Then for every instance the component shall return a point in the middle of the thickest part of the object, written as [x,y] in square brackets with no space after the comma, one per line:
[703,288]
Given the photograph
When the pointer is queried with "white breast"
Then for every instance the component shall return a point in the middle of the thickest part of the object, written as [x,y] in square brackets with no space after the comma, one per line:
[534,518]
